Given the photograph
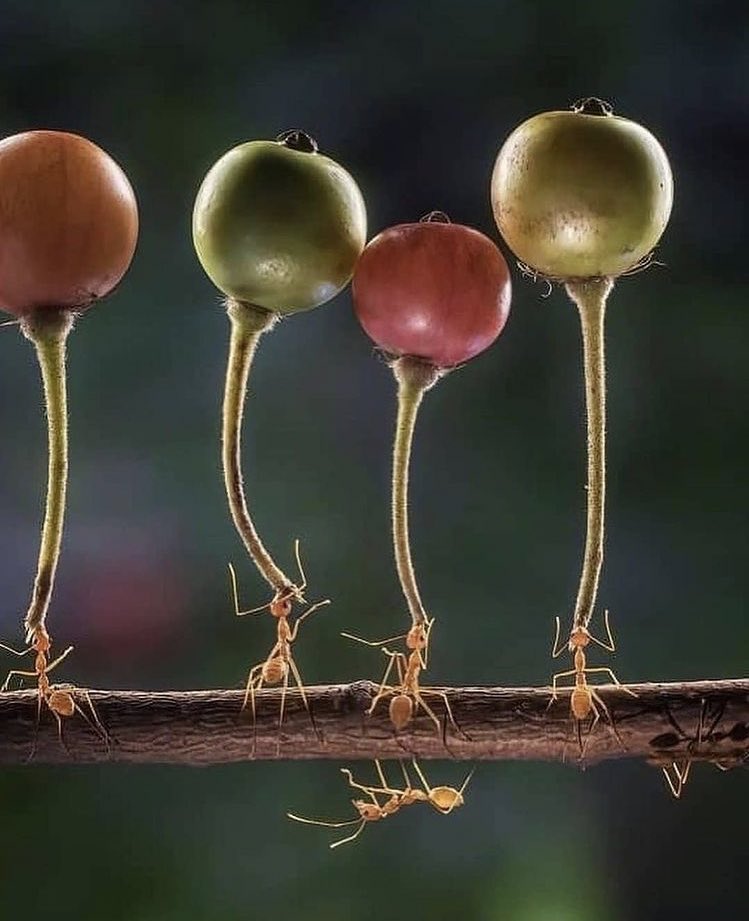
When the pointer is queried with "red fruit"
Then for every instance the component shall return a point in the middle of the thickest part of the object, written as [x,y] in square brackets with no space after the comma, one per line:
[68,222]
[436,291]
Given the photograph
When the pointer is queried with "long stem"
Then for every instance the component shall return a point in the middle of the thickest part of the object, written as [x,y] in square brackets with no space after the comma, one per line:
[414,379]
[248,323]
[48,330]
[590,295]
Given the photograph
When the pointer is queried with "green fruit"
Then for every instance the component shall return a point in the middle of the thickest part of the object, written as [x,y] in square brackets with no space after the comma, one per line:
[278,225]
[578,195]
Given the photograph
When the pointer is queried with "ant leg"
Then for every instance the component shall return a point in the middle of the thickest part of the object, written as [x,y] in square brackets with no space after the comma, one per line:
[555,681]
[94,722]
[608,646]
[55,662]
[378,644]
[310,610]
[248,687]
[284,688]
[427,709]
[614,679]
[305,821]
[15,673]
[39,699]
[595,697]
[676,786]
[303,693]
[381,692]
[557,650]
[235,597]
[15,652]
[448,709]
[353,837]
[358,786]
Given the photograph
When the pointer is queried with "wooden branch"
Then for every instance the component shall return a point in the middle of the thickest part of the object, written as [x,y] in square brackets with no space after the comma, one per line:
[700,720]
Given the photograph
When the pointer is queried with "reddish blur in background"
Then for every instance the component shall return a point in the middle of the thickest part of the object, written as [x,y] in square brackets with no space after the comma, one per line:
[415,100]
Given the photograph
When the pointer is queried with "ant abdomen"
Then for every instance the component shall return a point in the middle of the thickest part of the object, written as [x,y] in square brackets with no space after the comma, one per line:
[580,703]
[401,711]
[61,703]
[274,670]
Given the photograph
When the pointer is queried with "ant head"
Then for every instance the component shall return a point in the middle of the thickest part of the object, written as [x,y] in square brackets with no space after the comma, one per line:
[401,711]
[418,636]
[368,811]
[445,799]
[281,604]
[579,638]
[61,703]
[274,670]
[41,641]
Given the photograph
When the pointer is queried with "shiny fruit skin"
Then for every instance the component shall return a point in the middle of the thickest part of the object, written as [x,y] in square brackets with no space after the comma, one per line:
[68,222]
[577,195]
[277,227]
[439,292]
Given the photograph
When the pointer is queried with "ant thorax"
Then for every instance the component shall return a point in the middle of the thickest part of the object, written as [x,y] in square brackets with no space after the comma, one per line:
[281,605]
[579,638]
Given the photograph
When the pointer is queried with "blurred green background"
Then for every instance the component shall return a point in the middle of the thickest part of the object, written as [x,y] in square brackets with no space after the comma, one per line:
[415,99]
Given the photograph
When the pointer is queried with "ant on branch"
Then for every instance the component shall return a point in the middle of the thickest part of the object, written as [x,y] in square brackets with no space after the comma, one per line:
[444,799]
[408,695]
[59,699]
[280,661]
[585,701]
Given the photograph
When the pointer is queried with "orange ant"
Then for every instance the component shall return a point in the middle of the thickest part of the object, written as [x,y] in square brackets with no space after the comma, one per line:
[444,799]
[279,662]
[408,695]
[60,699]
[584,700]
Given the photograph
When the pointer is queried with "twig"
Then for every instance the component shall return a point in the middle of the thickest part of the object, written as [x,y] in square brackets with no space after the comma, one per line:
[209,727]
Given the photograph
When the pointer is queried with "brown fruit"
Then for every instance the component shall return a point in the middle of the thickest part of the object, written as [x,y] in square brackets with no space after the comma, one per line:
[68,222]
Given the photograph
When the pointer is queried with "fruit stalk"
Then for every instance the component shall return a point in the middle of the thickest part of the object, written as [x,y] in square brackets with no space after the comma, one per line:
[48,330]
[414,378]
[590,296]
[248,323]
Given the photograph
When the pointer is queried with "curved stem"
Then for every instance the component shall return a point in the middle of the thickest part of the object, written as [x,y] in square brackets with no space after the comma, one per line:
[48,330]
[590,295]
[248,323]
[414,379]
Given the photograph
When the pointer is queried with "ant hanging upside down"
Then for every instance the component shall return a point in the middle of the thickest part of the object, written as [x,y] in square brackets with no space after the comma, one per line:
[279,663]
[443,799]
[60,698]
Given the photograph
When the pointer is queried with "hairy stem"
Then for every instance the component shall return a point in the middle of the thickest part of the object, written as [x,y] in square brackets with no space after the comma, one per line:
[590,295]
[414,378]
[48,329]
[248,323]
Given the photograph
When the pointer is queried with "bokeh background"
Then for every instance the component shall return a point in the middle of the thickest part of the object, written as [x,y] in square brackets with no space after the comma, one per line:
[415,99]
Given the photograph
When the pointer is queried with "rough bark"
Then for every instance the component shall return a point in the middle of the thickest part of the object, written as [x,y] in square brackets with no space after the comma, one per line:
[701,720]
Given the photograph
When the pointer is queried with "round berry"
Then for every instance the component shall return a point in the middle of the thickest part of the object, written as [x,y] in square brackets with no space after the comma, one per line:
[433,290]
[68,222]
[581,195]
[278,225]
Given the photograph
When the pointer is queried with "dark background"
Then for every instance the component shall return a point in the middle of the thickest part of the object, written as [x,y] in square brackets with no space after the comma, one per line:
[414,99]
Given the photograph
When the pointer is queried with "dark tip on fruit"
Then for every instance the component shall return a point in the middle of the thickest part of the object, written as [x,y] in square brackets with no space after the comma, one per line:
[592,105]
[435,217]
[296,139]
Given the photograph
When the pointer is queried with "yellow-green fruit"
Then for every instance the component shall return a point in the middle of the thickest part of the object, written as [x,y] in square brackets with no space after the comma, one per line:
[578,195]
[279,227]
